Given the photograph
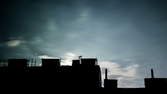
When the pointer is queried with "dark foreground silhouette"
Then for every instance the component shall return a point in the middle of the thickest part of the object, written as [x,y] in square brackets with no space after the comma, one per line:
[84,73]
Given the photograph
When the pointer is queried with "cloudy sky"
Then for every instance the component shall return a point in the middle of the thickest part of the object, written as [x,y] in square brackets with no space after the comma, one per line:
[127,36]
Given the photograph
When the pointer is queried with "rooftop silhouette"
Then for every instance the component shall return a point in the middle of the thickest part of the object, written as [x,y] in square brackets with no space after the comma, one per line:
[155,82]
[84,73]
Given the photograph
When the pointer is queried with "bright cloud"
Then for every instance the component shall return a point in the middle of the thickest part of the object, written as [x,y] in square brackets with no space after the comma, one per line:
[66,60]
[46,57]
[125,75]
[68,57]
[14,43]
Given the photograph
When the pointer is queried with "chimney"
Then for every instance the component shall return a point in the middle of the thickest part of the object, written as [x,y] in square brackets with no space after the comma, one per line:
[152,73]
[106,73]
[80,57]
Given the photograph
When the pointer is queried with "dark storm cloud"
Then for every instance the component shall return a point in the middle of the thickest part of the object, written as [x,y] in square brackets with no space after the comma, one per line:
[29,19]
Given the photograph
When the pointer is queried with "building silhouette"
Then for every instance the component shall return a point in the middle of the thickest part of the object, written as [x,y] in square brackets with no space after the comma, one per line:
[154,83]
[84,73]
[109,83]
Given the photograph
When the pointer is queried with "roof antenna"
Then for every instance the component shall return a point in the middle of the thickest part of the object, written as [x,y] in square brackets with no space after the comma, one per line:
[152,73]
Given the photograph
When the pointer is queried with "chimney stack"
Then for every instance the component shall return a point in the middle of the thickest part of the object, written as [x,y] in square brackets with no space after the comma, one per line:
[152,73]
[106,73]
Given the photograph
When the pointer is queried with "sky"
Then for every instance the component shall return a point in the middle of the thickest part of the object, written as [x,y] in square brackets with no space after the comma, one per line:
[127,36]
